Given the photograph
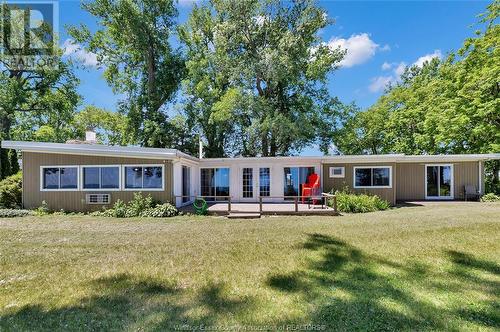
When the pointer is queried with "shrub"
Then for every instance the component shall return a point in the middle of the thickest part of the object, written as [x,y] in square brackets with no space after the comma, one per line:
[359,203]
[11,189]
[43,209]
[11,213]
[138,205]
[160,211]
[491,197]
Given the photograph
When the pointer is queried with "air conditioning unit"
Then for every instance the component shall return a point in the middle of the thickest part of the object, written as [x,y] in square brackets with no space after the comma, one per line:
[98,198]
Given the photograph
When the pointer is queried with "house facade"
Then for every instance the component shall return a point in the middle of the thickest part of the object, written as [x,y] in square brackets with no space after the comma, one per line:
[86,177]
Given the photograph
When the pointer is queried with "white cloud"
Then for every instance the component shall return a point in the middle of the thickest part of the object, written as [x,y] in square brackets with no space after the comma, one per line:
[76,51]
[400,69]
[428,57]
[386,66]
[385,48]
[360,48]
[379,83]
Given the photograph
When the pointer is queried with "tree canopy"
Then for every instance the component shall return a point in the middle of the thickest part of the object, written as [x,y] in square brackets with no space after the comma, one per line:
[256,75]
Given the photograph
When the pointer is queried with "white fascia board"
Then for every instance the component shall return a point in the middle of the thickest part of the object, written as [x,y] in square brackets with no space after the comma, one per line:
[449,158]
[361,158]
[92,149]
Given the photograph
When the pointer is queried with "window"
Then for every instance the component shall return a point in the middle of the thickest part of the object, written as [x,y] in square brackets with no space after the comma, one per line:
[247,182]
[59,178]
[373,177]
[294,178]
[144,177]
[265,182]
[214,182]
[101,177]
[186,183]
[337,172]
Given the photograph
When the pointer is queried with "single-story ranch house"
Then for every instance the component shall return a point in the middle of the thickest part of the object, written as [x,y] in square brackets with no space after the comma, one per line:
[85,177]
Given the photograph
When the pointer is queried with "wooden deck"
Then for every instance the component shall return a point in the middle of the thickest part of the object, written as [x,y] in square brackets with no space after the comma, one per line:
[221,208]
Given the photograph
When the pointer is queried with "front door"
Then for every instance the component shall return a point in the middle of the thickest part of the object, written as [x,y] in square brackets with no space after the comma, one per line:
[438,181]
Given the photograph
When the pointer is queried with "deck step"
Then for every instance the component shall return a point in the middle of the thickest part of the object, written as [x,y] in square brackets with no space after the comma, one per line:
[243,215]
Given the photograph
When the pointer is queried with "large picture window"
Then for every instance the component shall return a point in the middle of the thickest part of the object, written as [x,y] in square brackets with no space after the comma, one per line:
[101,177]
[59,178]
[144,177]
[373,177]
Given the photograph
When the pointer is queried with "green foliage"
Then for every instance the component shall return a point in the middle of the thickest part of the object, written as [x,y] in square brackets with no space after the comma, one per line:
[256,76]
[11,191]
[111,127]
[139,206]
[43,209]
[12,213]
[449,106]
[132,42]
[490,198]
[359,203]
[160,211]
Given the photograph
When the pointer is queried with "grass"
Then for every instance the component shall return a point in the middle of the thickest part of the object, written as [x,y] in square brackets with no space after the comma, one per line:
[432,267]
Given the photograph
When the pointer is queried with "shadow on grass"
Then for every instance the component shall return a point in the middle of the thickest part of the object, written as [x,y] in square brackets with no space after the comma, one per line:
[129,302]
[365,292]
[343,287]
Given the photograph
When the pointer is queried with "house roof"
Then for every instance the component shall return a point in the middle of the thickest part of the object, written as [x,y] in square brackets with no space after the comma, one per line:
[97,150]
[160,153]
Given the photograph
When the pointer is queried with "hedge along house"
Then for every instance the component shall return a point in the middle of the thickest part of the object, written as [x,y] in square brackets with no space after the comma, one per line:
[85,177]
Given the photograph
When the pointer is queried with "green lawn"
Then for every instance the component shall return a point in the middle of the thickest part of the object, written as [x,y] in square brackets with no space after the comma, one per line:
[418,268]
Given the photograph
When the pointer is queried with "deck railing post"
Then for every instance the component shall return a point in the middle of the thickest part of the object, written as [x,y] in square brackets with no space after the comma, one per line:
[296,204]
[335,203]
[260,204]
[229,204]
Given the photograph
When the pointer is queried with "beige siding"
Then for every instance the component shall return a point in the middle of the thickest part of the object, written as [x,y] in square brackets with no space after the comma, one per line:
[465,173]
[411,179]
[330,184]
[411,182]
[75,200]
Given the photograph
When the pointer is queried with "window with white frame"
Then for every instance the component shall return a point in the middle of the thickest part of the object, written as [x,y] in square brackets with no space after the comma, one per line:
[143,177]
[247,182]
[337,172]
[265,181]
[373,177]
[100,177]
[59,178]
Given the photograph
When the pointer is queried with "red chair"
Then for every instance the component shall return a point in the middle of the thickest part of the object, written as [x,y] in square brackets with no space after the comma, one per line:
[311,187]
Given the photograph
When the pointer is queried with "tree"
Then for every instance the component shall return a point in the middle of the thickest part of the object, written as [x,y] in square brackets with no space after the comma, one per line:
[449,106]
[31,96]
[111,127]
[256,75]
[133,45]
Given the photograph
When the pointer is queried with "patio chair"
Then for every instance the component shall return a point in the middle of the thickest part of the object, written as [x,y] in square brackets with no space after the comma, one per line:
[471,191]
[311,187]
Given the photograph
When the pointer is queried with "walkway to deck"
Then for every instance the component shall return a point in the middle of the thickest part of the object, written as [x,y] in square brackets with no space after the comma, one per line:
[221,208]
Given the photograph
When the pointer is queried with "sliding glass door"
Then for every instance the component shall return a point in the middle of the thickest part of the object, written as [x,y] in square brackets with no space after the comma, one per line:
[439,182]
[214,183]
[294,178]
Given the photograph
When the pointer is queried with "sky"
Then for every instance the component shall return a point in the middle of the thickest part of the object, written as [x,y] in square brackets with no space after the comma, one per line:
[381,37]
